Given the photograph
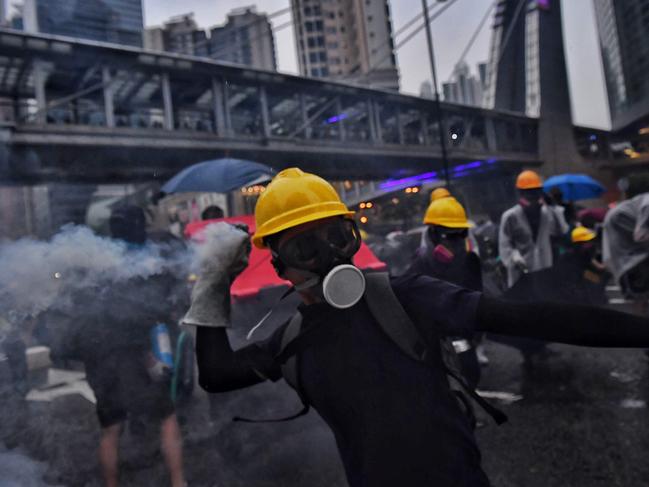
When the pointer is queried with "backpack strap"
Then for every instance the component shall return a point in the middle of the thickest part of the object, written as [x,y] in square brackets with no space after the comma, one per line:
[396,323]
[391,316]
[290,372]
[290,367]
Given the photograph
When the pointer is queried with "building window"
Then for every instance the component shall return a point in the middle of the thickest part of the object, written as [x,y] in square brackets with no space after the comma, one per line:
[315,72]
[370,18]
[320,41]
[371,35]
[319,26]
[308,26]
[332,45]
[331,30]
[310,42]
[313,57]
[322,55]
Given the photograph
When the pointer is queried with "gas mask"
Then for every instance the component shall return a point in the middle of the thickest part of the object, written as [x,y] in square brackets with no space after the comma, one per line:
[323,254]
[448,244]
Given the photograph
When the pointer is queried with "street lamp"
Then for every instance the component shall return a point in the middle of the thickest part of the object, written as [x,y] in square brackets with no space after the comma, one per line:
[438,105]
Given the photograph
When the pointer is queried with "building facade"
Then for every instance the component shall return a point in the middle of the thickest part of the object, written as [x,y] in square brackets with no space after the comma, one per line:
[246,38]
[624,42]
[463,88]
[117,21]
[348,40]
[180,34]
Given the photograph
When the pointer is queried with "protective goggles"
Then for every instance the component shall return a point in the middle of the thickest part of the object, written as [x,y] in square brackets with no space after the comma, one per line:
[320,246]
[438,234]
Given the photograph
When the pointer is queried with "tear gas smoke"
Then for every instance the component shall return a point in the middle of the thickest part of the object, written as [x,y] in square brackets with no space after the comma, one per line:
[39,276]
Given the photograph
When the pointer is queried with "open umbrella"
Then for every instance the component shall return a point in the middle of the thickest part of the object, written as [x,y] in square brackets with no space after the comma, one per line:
[218,176]
[575,186]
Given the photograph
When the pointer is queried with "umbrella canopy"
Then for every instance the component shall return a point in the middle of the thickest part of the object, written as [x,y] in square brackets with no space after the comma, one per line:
[260,272]
[575,186]
[218,176]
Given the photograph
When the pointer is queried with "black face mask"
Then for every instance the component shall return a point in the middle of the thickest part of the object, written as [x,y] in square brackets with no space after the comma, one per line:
[320,249]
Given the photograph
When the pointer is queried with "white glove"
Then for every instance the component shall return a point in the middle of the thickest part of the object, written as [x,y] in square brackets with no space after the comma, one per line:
[222,257]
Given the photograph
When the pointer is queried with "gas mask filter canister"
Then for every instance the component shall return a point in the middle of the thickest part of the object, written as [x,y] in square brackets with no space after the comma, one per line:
[343,286]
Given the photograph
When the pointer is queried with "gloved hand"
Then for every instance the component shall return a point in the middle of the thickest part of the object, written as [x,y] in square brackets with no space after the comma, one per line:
[221,258]
[519,261]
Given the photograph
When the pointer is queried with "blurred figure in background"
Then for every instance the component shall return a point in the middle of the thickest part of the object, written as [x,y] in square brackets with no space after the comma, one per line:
[525,229]
[447,255]
[625,248]
[115,338]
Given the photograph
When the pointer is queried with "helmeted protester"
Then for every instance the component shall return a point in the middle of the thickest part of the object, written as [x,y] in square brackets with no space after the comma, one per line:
[625,247]
[439,193]
[525,229]
[447,255]
[365,350]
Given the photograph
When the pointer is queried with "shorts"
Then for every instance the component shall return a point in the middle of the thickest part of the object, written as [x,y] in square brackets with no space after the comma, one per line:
[123,387]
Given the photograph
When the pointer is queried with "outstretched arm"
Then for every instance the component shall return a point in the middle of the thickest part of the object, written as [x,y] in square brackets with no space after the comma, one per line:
[565,323]
[220,369]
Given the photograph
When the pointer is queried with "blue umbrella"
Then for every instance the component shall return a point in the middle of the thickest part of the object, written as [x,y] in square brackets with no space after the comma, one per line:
[218,176]
[575,186]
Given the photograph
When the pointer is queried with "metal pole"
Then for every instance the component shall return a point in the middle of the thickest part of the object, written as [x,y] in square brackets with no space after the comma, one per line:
[438,105]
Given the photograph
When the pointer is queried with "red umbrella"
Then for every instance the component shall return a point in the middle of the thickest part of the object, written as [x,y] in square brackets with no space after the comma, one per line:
[260,272]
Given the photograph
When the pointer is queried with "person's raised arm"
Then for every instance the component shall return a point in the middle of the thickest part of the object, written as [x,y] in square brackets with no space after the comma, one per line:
[221,369]
[222,256]
[565,323]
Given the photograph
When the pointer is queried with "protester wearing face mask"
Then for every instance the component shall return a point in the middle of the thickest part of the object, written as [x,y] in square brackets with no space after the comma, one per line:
[365,350]
[447,255]
[525,229]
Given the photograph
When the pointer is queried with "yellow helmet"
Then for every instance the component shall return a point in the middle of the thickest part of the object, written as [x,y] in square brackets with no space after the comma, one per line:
[447,212]
[292,198]
[438,194]
[529,180]
[582,234]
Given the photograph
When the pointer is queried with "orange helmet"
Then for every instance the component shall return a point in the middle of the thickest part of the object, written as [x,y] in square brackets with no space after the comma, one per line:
[528,180]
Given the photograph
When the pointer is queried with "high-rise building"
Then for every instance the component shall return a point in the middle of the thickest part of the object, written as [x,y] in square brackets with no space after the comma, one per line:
[624,41]
[118,21]
[180,34]
[246,38]
[349,40]
[463,88]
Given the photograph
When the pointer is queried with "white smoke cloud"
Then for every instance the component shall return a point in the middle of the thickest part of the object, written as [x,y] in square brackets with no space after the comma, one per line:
[38,276]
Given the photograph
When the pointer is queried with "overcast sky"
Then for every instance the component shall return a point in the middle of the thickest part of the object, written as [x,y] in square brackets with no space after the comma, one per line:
[451,34]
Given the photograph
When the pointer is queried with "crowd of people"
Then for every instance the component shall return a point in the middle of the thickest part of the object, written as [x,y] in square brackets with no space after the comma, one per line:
[391,363]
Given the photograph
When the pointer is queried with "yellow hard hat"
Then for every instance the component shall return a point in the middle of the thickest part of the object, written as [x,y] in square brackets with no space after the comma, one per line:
[438,194]
[447,212]
[528,180]
[582,234]
[292,198]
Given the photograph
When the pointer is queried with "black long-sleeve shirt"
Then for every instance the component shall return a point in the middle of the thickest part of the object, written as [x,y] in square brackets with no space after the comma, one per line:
[394,419]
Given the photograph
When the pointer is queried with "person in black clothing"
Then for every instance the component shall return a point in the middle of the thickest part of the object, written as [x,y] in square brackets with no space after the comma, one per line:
[112,337]
[446,256]
[395,419]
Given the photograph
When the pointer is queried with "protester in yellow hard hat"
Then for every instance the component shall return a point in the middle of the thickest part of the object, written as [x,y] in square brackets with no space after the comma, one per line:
[525,229]
[365,350]
[439,193]
[580,270]
[446,255]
